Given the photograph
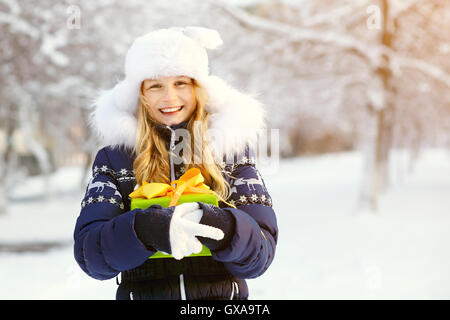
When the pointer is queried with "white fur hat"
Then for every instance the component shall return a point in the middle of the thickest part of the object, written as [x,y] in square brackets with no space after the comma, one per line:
[174,52]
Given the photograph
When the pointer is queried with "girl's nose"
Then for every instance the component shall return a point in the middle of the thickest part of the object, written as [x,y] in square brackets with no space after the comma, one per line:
[170,94]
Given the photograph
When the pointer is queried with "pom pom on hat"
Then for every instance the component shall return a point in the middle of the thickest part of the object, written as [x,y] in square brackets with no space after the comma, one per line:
[207,38]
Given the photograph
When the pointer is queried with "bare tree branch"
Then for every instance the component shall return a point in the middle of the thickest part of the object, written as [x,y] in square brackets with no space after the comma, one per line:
[371,53]
[427,68]
[296,34]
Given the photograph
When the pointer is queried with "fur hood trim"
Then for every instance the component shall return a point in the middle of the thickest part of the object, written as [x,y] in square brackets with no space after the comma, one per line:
[234,122]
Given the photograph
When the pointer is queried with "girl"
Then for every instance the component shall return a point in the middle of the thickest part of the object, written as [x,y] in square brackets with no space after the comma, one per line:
[168,95]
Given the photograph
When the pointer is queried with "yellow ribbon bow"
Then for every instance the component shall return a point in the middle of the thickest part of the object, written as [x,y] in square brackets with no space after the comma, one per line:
[190,182]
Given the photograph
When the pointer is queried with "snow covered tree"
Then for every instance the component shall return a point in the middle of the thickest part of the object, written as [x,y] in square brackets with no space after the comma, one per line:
[353,66]
[48,76]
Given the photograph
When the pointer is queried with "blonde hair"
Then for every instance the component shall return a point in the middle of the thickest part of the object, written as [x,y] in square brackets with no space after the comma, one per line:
[152,157]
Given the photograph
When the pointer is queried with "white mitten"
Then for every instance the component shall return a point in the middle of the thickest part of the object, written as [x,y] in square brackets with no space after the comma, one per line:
[185,226]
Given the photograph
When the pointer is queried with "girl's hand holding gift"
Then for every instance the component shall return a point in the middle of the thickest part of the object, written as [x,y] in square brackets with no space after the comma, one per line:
[185,226]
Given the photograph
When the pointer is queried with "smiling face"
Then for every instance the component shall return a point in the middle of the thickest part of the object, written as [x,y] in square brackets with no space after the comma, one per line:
[171,100]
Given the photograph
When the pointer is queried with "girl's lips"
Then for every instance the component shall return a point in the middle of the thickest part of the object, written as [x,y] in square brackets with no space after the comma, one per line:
[171,110]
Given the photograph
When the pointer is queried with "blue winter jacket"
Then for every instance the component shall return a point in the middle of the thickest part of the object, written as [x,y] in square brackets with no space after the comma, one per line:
[111,239]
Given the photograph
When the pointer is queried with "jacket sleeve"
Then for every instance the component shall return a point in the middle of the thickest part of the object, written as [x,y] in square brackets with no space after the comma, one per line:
[105,239]
[252,226]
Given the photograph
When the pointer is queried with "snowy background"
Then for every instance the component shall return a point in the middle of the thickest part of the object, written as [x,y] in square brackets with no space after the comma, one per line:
[358,90]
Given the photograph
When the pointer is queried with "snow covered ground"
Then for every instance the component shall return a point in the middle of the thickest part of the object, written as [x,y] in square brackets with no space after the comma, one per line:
[328,248]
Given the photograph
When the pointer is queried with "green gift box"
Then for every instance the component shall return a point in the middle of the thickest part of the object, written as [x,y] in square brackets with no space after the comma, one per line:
[140,203]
